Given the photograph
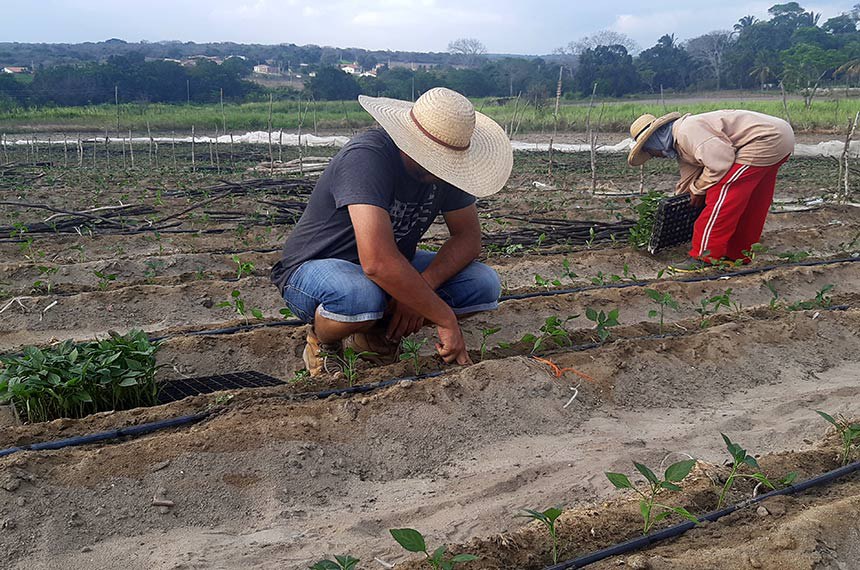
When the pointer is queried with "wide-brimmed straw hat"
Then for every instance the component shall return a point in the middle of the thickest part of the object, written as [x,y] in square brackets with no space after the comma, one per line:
[443,133]
[640,130]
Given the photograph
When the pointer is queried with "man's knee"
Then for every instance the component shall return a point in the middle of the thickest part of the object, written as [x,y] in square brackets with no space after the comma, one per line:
[476,288]
[354,300]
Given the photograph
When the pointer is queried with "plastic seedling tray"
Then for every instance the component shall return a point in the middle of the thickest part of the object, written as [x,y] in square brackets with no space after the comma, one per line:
[173,390]
[673,223]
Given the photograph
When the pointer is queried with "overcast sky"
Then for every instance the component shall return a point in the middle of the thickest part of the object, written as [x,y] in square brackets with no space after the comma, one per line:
[524,26]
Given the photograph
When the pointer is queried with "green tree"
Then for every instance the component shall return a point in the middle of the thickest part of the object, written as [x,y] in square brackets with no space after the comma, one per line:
[611,67]
[331,84]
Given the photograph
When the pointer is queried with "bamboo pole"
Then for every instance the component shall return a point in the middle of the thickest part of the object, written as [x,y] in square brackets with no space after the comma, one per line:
[80,152]
[217,157]
[592,139]
[555,117]
[130,149]
[193,163]
[149,134]
[844,165]
[65,151]
[269,130]
[107,151]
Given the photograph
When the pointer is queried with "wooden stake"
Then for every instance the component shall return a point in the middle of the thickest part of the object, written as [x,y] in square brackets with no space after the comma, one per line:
[193,164]
[846,154]
[555,117]
[65,151]
[269,129]
[173,147]
[130,149]
[149,134]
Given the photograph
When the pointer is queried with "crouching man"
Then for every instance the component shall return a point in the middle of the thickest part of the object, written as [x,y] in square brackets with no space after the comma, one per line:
[351,268]
[728,162]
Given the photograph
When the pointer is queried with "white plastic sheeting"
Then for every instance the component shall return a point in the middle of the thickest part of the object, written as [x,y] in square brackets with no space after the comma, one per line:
[832,148]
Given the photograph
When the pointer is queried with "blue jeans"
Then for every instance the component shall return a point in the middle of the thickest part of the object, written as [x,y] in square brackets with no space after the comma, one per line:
[344,294]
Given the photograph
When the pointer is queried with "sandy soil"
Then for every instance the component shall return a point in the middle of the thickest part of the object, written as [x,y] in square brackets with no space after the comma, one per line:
[276,480]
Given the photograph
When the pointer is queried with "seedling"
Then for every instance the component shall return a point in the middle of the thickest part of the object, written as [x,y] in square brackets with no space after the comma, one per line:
[348,362]
[44,281]
[754,250]
[105,279]
[547,283]
[343,562]
[153,268]
[849,434]
[648,504]
[591,236]
[413,541]
[409,351]
[301,375]
[237,303]
[774,296]
[822,300]
[662,300]
[793,256]
[547,518]
[603,321]
[486,334]
[286,313]
[566,273]
[711,306]
[552,329]
[741,457]
[242,267]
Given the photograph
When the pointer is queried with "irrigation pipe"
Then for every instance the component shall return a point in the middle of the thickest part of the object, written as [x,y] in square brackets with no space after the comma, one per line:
[551,293]
[679,529]
[107,435]
[351,390]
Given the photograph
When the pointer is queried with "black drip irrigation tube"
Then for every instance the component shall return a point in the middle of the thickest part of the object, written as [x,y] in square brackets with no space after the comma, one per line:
[679,529]
[106,435]
[552,293]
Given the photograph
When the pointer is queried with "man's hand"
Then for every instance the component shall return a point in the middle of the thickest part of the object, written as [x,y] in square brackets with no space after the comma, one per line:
[697,201]
[451,346]
[404,321]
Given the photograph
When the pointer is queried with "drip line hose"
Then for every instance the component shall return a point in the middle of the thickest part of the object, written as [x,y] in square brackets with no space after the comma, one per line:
[360,389]
[679,529]
[106,435]
[552,293]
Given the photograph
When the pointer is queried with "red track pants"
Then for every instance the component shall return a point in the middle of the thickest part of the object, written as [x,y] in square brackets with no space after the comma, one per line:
[735,212]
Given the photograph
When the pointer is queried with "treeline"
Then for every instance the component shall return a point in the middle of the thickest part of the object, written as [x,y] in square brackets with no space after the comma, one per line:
[130,78]
[791,49]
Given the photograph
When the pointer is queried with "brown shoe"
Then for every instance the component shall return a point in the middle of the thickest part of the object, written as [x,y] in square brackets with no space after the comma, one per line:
[319,357]
[378,350]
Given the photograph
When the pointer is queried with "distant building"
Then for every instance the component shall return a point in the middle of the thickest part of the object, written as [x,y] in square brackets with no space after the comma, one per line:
[351,68]
[16,69]
[267,69]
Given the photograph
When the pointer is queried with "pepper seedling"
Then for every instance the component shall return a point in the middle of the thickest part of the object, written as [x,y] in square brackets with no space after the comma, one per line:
[675,473]
[741,457]
[343,562]
[413,541]
[662,300]
[409,351]
[547,518]
[486,334]
[603,321]
[849,434]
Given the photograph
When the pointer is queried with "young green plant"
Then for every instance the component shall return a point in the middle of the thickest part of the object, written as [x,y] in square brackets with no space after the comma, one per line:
[413,541]
[105,279]
[485,335]
[662,300]
[603,321]
[652,511]
[348,362]
[242,267]
[547,518]
[849,434]
[342,562]
[237,303]
[553,329]
[740,457]
[409,349]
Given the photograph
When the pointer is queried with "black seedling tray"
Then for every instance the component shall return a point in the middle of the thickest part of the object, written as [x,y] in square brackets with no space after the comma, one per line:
[173,390]
[673,223]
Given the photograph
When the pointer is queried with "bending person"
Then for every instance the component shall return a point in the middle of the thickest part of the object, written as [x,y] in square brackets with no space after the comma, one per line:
[728,162]
[351,268]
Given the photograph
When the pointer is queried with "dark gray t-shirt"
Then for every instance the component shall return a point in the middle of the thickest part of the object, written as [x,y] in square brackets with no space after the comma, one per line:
[367,170]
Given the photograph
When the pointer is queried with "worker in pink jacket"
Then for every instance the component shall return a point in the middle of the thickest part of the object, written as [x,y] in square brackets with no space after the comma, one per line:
[728,162]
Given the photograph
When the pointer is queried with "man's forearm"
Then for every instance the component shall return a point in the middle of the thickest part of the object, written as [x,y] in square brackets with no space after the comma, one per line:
[400,280]
[458,252]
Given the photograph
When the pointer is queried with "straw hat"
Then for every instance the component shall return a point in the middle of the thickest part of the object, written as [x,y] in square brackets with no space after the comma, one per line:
[640,130]
[443,133]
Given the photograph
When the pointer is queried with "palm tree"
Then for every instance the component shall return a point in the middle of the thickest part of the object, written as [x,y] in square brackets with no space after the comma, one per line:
[745,23]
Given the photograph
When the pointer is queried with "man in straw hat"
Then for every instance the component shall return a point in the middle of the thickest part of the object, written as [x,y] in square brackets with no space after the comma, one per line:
[728,162]
[351,267]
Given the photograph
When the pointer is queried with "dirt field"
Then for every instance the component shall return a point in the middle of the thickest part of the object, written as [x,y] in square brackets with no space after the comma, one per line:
[274,480]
